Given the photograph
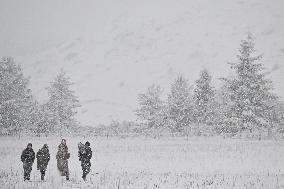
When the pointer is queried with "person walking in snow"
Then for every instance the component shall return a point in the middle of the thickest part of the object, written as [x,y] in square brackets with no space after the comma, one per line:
[62,157]
[28,157]
[85,155]
[43,158]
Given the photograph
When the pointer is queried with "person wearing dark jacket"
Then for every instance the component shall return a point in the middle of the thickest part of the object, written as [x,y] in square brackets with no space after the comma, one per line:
[85,155]
[43,158]
[28,157]
[62,157]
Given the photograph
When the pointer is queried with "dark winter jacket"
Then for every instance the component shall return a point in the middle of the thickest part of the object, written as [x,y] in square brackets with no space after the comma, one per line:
[86,155]
[28,156]
[62,152]
[62,157]
[43,158]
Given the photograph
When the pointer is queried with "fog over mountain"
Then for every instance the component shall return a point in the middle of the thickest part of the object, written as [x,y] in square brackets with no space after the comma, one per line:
[113,50]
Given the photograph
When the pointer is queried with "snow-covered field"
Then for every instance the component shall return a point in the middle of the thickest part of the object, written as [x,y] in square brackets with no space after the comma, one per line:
[149,163]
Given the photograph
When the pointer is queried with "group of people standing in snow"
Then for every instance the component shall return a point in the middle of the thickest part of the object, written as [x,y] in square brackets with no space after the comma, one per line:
[43,157]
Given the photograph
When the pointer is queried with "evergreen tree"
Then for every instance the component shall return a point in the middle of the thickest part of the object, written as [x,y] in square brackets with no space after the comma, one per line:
[16,102]
[151,107]
[62,104]
[179,107]
[43,120]
[221,110]
[204,97]
[250,97]
[279,116]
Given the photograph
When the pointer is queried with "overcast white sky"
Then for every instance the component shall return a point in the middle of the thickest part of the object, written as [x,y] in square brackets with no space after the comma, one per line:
[31,25]
[28,26]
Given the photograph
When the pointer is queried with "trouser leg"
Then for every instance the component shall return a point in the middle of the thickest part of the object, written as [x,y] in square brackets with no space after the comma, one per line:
[27,171]
[25,175]
[65,169]
[84,173]
[85,168]
[42,173]
[67,174]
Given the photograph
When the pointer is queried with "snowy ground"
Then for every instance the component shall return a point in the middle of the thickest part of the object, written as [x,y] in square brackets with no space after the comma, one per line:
[148,163]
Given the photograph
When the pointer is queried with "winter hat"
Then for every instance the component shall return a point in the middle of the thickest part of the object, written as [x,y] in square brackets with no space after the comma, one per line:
[87,143]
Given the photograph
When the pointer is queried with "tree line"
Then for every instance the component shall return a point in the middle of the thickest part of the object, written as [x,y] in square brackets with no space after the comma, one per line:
[244,104]
[21,113]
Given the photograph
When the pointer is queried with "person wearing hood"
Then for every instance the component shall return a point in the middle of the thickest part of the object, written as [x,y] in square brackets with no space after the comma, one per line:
[43,158]
[28,157]
[62,157]
[85,155]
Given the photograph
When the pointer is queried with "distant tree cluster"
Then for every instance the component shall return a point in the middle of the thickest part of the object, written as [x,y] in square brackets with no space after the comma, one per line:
[21,113]
[245,103]
[115,128]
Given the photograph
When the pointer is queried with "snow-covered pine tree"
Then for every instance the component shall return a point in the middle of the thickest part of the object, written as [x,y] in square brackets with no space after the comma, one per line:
[62,104]
[249,92]
[151,107]
[16,101]
[179,107]
[279,116]
[43,120]
[204,99]
[221,110]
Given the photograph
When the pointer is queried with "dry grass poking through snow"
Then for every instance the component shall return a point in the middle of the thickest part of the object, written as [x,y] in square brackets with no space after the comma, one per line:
[148,163]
